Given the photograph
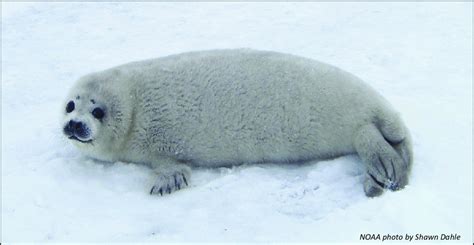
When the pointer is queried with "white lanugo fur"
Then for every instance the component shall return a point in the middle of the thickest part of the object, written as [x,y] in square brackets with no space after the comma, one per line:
[227,107]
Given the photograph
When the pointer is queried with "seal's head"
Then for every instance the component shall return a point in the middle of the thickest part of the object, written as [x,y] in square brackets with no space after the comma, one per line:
[96,116]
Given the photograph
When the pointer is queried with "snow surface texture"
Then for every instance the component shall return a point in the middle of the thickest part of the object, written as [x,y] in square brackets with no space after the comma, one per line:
[418,55]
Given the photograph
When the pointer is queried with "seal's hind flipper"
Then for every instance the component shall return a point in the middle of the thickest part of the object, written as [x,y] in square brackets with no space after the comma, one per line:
[386,167]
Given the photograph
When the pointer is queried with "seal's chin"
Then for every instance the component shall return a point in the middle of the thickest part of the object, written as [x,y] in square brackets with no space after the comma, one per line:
[73,137]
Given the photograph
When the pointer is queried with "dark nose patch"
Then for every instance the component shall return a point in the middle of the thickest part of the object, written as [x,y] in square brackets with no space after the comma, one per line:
[78,129]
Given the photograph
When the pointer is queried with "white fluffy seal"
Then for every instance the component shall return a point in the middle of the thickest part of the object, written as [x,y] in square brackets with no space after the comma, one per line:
[227,107]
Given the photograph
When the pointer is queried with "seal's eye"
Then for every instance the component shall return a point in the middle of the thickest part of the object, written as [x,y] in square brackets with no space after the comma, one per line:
[98,113]
[70,106]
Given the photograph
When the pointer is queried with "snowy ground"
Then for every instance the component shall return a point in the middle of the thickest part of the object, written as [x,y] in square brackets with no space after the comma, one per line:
[418,55]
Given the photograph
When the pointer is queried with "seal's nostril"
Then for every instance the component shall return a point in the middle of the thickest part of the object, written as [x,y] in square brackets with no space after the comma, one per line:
[77,126]
[71,124]
[80,129]
[69,128]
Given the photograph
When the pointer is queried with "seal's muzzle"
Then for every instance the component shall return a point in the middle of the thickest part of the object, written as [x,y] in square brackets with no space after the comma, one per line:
[76,131]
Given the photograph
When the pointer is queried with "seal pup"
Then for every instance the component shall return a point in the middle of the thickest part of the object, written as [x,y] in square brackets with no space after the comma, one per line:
[227,107]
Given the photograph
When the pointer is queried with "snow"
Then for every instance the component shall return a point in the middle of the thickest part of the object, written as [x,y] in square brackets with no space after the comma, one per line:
[418,55]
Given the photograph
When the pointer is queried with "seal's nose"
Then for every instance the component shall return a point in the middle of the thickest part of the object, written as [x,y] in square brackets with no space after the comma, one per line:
[75,128]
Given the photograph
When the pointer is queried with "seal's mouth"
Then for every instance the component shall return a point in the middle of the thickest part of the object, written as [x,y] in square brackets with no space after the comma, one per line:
[73,137]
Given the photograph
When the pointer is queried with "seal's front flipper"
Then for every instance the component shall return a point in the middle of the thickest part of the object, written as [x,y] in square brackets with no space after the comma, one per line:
[167,183]
[386,168]
[171,176]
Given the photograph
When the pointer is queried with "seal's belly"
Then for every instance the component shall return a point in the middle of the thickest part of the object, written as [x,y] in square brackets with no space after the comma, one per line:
[266,144]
